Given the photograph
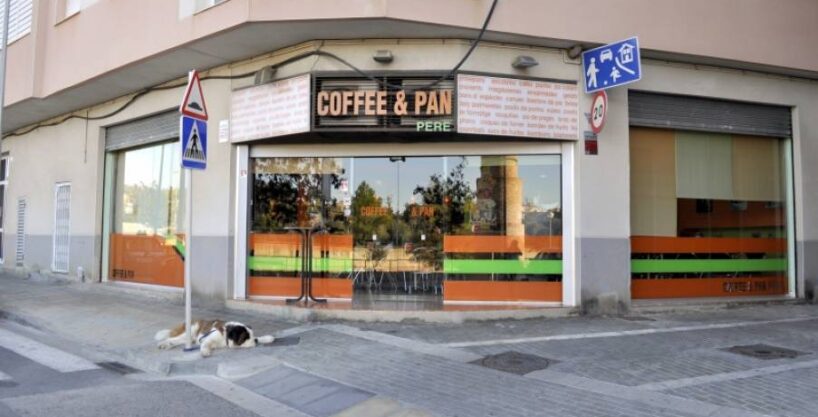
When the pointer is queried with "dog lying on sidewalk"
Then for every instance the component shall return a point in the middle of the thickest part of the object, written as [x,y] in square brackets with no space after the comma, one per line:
[212,334]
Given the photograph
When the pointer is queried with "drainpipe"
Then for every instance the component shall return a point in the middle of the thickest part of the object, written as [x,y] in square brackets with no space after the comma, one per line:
[3,68]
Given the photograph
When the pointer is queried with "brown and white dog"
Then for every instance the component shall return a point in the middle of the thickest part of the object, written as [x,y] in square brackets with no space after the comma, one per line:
[212,334]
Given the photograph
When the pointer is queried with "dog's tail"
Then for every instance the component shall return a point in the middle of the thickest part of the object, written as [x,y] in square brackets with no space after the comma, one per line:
[161,335]
[265,340]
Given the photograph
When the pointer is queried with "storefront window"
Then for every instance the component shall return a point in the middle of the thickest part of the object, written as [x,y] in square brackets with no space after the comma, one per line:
[146,243]
[708,214]
[460,228]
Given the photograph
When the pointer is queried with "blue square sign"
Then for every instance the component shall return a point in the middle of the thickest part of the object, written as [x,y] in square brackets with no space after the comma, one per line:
[194,143]
[612,65]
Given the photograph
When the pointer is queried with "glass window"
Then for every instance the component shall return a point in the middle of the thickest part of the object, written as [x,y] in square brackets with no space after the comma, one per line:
[460,228]
[708,214]
[146,243]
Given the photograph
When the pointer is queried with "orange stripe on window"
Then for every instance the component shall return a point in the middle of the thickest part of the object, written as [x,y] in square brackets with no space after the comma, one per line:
[281,243]
[277,239]
[502,291]
[708,287]
[340,243]
[291,287]
[501,244]
[655,244]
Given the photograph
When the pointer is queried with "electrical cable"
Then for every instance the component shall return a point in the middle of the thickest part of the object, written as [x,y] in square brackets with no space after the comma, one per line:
[287,61]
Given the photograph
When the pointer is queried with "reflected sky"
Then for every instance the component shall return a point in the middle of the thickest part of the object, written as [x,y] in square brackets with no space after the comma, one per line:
[395,180]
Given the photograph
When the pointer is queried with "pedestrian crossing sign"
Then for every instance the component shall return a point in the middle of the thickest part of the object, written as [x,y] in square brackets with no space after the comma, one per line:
[194,143]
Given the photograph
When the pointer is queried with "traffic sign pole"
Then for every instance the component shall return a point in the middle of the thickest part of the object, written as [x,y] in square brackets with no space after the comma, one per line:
[193,139]
[188,245]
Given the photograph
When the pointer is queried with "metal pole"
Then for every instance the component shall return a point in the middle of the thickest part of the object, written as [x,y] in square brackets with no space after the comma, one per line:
[188,244]
[3,67]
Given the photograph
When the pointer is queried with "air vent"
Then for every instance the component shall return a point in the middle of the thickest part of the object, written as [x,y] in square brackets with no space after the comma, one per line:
[62,234]
[21,232]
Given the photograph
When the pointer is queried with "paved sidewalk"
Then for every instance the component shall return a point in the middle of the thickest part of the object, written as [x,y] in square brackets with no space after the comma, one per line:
[662,364]
[117,322]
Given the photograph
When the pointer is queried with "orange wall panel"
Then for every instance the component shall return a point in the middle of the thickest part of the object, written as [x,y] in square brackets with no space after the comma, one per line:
[146,260]
[708,287]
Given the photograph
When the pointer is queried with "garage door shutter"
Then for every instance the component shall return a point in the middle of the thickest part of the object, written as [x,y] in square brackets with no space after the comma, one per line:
[158,128]
[708,115]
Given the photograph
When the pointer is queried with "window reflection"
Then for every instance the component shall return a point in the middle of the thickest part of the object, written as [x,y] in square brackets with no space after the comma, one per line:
[411,224]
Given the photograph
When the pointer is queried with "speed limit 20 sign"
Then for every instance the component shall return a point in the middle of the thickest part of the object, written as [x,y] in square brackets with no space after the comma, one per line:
[599,107]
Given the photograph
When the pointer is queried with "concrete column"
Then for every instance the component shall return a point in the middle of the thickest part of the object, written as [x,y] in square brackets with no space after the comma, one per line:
[603,212]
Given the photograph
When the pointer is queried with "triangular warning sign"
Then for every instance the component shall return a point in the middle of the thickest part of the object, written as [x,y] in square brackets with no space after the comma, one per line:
[193,148]
[193,103]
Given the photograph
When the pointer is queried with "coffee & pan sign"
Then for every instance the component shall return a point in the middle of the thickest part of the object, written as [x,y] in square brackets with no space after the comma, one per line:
[365,104]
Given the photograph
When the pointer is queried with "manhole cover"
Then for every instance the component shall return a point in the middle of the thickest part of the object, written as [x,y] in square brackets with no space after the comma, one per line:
[762,351]
[118,367]
[515,362]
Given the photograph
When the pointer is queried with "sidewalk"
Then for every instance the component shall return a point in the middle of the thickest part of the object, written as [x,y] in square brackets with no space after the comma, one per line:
[675,363]
[119,323]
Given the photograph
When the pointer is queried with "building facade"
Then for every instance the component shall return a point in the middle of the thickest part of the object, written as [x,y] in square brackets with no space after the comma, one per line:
[424,183]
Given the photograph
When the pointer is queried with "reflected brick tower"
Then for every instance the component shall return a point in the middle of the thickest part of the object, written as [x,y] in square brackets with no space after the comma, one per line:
[500,198]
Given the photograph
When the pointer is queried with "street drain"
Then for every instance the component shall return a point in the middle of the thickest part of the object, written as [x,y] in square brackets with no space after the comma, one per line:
[286,341]
[637,318]
[762,351]
[118,367]
[515,362]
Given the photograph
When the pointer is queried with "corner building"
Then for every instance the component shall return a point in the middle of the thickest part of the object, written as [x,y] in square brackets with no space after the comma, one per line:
[424,188]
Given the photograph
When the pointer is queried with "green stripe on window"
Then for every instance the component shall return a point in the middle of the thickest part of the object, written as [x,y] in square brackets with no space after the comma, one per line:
[286,263]
[639,266]
[502,266]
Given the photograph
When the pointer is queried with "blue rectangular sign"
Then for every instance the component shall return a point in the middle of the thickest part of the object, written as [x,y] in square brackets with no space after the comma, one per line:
[612,65]
[194,143]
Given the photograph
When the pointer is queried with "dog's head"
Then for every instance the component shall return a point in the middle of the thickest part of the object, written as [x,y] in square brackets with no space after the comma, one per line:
[239,335]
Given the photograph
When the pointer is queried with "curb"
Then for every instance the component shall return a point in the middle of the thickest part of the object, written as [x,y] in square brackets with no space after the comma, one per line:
[306,314]
[715,305]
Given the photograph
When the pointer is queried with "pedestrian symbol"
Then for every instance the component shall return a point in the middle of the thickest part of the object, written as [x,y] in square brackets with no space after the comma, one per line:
[612,65]
[591,74]
[194,143]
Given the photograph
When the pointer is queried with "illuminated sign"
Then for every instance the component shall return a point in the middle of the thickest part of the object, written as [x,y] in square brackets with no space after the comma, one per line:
[374,103]
[398,103]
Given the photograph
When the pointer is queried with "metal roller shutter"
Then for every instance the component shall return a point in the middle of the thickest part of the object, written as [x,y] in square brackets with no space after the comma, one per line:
[708,115]
[140,132]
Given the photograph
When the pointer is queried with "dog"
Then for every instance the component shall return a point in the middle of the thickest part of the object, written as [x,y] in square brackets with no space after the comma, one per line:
[212,334]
